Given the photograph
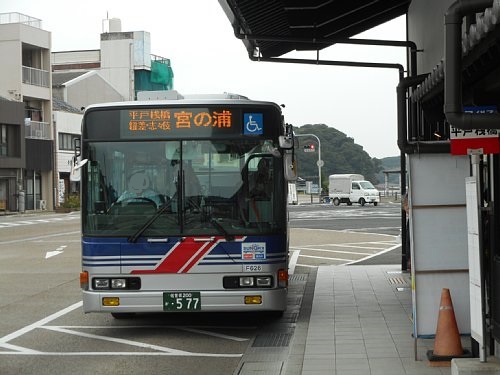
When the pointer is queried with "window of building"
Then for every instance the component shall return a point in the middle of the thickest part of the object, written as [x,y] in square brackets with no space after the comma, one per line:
[10,141]
[66,141]
[3,140]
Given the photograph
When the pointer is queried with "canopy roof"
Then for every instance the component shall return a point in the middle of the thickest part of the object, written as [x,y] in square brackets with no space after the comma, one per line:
[274,27]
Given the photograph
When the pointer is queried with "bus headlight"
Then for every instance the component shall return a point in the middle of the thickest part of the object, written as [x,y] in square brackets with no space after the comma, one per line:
[129,283]
[265,281]
[101,284]
[246,281]
[237,282]
[118,284]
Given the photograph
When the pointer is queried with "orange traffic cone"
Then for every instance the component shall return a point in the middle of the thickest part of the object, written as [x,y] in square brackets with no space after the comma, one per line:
[447,344]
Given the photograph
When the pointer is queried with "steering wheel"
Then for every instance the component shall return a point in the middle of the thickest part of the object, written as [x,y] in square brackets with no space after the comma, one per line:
[143,199]
[125,201]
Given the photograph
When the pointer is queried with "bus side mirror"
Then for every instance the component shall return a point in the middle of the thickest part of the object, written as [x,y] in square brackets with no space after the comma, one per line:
[286,142]
[76,164]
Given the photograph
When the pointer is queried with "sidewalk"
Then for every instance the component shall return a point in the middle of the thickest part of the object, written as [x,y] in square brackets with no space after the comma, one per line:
[361,324]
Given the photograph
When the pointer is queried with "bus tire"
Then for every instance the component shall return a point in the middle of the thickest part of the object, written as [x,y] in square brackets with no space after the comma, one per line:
[123,315]
[336,201]
[375,203]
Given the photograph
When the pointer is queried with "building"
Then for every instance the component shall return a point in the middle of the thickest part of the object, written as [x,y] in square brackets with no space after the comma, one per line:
[12,152]
[122,67]
[36,132]
[26,167]
[118,70]
[68,121]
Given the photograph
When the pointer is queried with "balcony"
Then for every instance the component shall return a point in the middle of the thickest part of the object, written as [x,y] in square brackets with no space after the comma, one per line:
[37,130]
[36,77]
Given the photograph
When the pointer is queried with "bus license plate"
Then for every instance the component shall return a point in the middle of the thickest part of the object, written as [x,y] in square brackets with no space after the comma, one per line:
[181,301]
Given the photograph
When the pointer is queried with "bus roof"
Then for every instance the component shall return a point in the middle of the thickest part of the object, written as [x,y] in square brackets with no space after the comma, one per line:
[174,98]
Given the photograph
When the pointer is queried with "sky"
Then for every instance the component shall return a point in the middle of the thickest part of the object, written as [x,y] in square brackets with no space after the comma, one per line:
[207,58]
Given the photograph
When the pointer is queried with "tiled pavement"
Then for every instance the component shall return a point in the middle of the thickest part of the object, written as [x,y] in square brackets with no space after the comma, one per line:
[360,324]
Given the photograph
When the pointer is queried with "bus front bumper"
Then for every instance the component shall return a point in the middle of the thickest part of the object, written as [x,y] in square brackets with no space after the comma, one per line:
[211,301]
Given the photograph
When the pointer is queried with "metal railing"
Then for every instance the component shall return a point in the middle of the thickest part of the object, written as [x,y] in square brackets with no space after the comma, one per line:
[15,17]
[37,130]
[36,77]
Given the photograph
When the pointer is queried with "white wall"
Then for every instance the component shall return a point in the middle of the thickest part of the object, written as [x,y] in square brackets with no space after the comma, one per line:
[90,89]
[66,122]
[116,65]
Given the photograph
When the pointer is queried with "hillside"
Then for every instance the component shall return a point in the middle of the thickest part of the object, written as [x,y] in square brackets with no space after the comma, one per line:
[340,155]
[390,164]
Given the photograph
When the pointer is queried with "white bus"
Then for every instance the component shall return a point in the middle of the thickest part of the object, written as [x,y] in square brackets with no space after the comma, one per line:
[184,206]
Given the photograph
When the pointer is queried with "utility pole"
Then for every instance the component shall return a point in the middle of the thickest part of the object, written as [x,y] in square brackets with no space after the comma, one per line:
[319,163]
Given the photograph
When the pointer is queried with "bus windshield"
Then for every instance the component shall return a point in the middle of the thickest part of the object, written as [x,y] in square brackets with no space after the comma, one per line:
[183,187]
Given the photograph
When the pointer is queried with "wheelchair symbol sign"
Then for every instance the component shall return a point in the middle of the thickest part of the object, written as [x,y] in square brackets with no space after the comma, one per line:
[253,123]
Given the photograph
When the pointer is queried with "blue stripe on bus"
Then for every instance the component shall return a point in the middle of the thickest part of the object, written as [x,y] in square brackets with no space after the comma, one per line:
[120,247]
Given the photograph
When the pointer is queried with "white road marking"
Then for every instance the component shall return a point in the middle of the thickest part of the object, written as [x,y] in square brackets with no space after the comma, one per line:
[373,255]
[378,247]
[40,323]
[326,258]
[39,237]
[126,354]
[339,251]
[158,350]
[214,334]
[36,221]
[123,341]
[50,254]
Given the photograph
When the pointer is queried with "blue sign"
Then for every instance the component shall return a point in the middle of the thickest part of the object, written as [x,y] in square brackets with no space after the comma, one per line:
[481,109]
[253,124]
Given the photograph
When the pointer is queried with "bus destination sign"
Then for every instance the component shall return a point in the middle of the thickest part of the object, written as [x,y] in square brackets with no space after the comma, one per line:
[155,122]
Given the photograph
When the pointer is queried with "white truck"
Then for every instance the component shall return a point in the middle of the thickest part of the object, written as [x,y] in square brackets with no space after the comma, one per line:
[352,188]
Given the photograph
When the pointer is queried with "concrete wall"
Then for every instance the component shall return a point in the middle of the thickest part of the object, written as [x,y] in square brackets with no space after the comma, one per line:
[116,65]
[90,88]
[11,73]
[121,53]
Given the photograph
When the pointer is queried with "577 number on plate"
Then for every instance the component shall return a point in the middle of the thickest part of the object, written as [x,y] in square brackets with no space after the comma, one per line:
[181,301]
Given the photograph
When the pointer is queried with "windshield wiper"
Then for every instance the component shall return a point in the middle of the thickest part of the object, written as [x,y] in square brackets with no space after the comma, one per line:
[133,238]
[216,224]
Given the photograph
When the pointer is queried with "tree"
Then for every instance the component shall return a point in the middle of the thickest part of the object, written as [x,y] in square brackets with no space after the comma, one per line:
[338,151]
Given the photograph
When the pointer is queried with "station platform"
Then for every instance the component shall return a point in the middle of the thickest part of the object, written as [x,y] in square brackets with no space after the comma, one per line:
[361,323]
[348,320]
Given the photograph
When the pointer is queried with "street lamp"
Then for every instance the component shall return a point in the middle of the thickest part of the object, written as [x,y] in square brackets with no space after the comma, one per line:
[319,163]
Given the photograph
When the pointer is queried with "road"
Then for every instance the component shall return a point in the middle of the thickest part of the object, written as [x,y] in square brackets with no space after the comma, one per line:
[44,331]
[337,235]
